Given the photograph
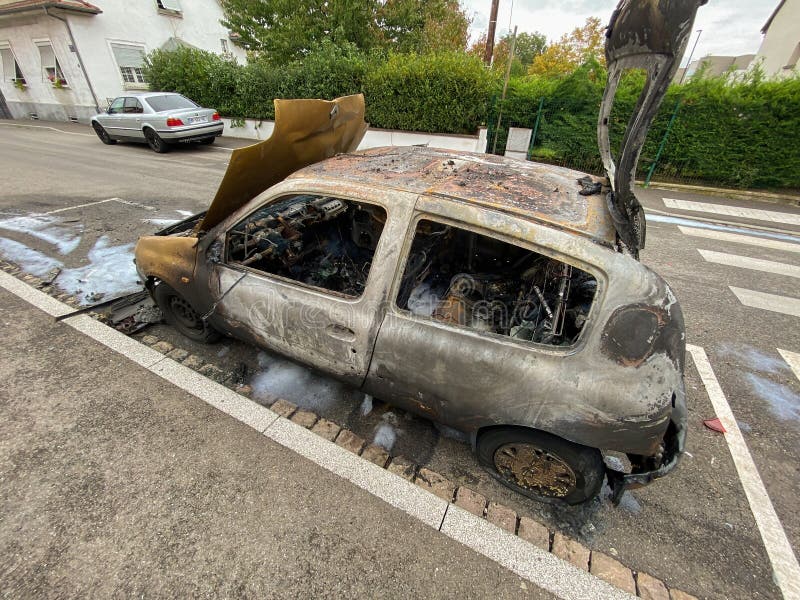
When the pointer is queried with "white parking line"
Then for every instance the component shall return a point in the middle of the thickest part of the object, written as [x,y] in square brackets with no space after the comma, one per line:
[754,264]
[738,238]
[793,360]
[46,127]
[786,570]
[772,302]
[734,211]
[119,200]
[526,560]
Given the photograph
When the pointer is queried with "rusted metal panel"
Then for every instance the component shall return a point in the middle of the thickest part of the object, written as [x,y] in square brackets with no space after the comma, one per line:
[585,393]
[306,131]
[537,191]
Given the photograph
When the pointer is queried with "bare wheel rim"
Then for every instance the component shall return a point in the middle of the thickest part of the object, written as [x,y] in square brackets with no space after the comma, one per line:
[184,313]
[532,468]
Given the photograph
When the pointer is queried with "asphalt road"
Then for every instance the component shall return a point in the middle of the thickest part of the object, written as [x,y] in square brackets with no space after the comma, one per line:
[695,529]
[118,484]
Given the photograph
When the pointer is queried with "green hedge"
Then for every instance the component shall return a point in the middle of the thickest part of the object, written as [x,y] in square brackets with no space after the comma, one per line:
[445,93]
[741,134]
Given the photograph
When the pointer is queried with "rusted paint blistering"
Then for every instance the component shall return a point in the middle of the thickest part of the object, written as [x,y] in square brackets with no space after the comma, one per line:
[533,190]
[461,377]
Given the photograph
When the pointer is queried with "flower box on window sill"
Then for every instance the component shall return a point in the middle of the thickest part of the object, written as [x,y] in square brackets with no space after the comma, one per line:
[136,86]
[59,84]
[20,85]
[170,13]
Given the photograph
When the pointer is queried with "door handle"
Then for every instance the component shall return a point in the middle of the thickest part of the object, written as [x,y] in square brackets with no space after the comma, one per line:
[340,332]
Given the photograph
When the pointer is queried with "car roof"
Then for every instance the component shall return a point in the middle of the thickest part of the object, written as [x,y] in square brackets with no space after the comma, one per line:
[149,94]
[536,191]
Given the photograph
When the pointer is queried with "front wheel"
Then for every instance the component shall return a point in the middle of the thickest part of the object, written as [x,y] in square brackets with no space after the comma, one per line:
[182,315]
[155,142]
[540,465]
[103,134]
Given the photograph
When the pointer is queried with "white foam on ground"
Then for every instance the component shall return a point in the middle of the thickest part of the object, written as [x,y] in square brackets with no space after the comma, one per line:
[29,260]
[298,385]
[110,273]
[385,436]
[366,405]
[46,228]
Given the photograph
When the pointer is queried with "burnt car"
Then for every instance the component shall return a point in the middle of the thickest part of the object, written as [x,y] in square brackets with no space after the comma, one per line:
[502,298]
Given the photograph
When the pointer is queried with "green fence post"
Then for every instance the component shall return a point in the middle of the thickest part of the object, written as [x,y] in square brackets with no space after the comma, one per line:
[662,144]
[535,127]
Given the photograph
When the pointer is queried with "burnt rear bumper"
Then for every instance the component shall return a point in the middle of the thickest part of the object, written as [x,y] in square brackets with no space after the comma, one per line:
[674,445]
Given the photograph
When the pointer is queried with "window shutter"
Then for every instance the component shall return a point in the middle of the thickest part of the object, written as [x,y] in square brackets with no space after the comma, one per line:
[128,56]
[48,57]
[9,70]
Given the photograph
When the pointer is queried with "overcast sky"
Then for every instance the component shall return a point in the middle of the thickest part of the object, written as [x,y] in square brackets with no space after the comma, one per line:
[730,27]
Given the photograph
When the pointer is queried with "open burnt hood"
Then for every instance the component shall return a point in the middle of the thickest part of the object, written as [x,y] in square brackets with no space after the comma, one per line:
[649,35]
[306,132]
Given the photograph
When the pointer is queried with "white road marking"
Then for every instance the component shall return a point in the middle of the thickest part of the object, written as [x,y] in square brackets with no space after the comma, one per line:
[786,570]
[779,304]
[46,127]
[526,560]
[738,238]
[754,264]
[119,200]
[734,211]
[793,360]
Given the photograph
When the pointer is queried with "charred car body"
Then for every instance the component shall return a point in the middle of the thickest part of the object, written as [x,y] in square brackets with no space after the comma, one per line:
[499,297]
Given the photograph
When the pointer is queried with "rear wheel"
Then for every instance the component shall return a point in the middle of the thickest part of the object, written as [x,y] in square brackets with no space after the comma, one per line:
[155,142]
[540,465]
[103,134]
[179,313]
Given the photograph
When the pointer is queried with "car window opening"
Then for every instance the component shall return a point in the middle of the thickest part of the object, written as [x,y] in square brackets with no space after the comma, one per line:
[468,279]
[320,241]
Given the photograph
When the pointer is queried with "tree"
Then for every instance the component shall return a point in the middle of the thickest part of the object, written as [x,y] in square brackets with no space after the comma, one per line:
[285,30]
[527,47]
[572,50]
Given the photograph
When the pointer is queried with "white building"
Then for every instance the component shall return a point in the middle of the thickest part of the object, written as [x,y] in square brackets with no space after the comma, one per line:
[66,59]
[780,49]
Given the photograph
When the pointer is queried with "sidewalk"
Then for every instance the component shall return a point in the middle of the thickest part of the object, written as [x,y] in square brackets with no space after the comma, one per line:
[115,482]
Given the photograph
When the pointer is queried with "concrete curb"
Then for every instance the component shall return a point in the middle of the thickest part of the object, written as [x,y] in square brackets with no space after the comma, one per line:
[287,419]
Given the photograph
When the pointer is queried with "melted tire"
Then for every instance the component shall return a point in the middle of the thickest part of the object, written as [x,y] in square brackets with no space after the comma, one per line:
[586,463]
[182,316]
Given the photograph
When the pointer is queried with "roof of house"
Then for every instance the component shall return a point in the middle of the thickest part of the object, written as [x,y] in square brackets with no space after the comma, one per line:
[528,189]
[772,16]
[13,6]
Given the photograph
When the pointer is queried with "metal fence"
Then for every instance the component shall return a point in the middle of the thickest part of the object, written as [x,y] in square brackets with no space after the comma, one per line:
[566,134]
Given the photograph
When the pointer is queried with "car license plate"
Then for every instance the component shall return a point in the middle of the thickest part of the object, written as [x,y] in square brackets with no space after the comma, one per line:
[193,120]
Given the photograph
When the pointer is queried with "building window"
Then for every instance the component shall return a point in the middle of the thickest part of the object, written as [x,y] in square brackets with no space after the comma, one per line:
[130,60]
[224,44]
[173,6]
[51,70]
[11,70]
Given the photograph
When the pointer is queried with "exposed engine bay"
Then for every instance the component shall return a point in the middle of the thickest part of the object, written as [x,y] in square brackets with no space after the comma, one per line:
[465,278]
[318,240]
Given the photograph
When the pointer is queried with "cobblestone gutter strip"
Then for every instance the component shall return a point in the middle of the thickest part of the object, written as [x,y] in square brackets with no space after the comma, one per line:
[493,513]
